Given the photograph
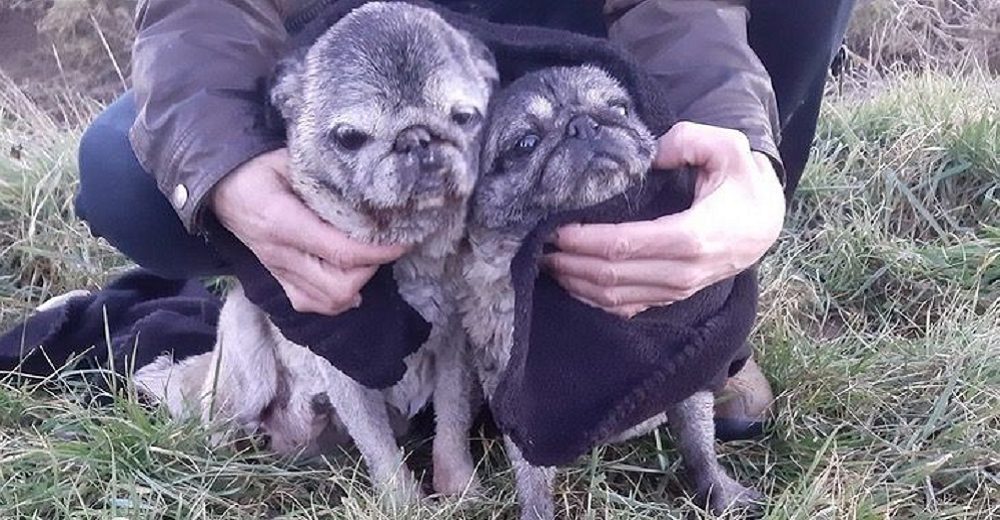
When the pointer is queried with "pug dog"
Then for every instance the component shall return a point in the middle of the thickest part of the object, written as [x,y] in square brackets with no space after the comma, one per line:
[561,139]
[383,114]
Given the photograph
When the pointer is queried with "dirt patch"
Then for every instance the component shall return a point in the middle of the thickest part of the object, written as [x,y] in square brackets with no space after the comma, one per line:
[22,59]
[948,35]
[71,47]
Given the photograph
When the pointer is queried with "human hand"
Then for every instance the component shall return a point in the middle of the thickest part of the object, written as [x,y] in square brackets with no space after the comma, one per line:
[320,269]
[737,213]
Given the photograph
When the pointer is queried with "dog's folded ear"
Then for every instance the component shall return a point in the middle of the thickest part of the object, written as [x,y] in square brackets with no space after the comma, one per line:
[286,88]
[483,60]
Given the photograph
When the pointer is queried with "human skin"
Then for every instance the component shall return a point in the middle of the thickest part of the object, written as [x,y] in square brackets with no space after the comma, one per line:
[737,214]
[320,269]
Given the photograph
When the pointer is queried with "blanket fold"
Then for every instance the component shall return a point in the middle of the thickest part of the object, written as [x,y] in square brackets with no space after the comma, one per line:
[368,344]
[136,318]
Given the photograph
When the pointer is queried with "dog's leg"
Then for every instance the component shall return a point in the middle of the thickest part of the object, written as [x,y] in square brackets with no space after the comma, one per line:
[363,412]
[691,421]
[534,485]
[242,377]
[454,470]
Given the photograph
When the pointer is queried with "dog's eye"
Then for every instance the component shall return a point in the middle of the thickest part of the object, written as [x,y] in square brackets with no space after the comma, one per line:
[348,137]
[464,115]
[527,143]
[621,107]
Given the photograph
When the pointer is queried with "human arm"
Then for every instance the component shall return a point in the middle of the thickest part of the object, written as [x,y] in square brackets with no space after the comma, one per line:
[198,74]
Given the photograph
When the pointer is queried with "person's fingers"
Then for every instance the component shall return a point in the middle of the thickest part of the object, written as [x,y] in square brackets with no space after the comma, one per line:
[300,301]
[624,311]
[620,296]
[630,311]
[333,246]
[299,294]
[298,227]
[319,300]
[340,287]
[317,286]
[671,274]
[702,146]
[279,160]
[716,153]
[674,236]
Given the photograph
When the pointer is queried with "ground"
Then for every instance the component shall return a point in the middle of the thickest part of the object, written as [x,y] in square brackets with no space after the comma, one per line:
[879,323]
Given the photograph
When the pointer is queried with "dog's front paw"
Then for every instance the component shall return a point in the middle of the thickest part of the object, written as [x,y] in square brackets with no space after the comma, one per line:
[724,494]
[401,491]
[455,478]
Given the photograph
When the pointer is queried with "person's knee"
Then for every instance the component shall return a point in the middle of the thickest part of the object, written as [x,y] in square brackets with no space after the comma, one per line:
[105,158]
[99,168]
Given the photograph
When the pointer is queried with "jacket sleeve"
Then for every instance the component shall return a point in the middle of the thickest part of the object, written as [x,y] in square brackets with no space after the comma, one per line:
[198,71]
[700,49]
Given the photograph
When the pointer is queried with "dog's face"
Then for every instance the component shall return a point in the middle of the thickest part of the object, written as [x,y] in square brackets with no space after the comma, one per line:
[303,424]
[559,139]
[384,111]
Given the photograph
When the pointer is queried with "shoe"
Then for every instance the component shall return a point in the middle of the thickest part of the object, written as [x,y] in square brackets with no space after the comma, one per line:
[743,404]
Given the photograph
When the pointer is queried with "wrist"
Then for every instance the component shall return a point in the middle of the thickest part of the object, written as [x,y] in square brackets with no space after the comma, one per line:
[770,164]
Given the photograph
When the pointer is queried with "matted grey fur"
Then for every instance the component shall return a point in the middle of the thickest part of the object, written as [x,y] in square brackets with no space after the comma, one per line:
[384,114]
[562,139]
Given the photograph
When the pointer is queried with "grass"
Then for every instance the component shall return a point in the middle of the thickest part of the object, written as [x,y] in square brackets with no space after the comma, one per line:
[879,327]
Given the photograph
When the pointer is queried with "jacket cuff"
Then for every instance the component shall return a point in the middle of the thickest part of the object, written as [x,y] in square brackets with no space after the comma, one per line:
[189,194]
[763,143]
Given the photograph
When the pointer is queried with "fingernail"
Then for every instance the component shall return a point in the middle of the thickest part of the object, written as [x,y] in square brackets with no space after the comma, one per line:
[357,302]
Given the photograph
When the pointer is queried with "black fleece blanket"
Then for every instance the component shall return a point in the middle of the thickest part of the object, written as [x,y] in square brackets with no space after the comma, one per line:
[126,325]
[369,343]
[578,376]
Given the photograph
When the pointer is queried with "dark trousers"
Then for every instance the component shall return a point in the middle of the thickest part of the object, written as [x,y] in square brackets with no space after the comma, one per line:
[121,202]
[796,40]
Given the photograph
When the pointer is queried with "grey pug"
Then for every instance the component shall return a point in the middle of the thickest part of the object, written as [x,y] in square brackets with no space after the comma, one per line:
[562,139]
[384,114]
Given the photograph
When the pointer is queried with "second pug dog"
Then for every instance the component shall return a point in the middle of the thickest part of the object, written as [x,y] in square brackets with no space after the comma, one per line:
[561,139]
[383,115]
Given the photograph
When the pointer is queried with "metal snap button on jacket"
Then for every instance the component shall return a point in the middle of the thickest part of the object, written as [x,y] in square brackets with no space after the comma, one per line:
[179,196]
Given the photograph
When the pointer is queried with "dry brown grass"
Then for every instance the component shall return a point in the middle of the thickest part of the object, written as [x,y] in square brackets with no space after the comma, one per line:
[889,35]
[91,35]
[84,46]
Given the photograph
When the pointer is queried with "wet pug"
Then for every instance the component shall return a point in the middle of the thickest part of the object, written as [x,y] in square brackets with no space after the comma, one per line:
[383,114]
[561,139]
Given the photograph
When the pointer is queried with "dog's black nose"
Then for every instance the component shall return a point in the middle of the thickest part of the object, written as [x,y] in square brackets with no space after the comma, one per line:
[582,126]
[413,139]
